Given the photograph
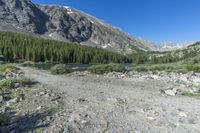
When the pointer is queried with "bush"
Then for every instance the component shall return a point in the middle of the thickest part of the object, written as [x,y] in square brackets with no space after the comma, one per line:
[159,68]
[60,69]
[7,68]
[141,69]
[193,67]
[106,68]
[10,83]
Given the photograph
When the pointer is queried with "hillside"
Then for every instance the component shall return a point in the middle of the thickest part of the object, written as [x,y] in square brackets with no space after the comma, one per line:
[67,24]
[15,46]
[187,54]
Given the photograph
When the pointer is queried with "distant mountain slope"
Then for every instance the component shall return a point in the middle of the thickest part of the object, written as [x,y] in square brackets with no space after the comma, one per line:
[170,46]
[187,53]
[67,24]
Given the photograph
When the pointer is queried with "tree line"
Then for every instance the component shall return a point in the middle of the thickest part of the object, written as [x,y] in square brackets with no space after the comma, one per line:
[15,46]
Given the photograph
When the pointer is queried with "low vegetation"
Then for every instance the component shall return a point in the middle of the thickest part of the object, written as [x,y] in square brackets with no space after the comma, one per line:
[197,95]
[7,68]
[13,82]
[8,84]
[170,67]
[106,68]
[60,69]
[193,67]
[149,57]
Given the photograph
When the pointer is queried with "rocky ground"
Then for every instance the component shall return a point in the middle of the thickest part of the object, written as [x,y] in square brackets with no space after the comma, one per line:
[115,102]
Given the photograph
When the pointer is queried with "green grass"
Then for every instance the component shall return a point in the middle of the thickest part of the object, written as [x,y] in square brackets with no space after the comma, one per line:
[7,68]
[60,69]
[9,83]
[197,95]
[193,67]
[192,95]
[106,68]
[178,67]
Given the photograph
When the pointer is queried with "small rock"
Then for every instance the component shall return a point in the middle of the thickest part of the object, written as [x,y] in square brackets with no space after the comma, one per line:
[16,85]
[82,100]
[39,108]
[14,100]
[182,114]
[49,118]
[150,118]
[170,92]
[179,92]
[21,97]
[42,93]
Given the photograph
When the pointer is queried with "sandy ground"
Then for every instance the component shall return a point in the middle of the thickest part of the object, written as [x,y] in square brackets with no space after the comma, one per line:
[97,104]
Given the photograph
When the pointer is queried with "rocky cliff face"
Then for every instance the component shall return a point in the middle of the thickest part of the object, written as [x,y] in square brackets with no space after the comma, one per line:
[66,24]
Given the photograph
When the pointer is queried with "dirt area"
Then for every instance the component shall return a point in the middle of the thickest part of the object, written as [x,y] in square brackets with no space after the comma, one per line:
[98,104]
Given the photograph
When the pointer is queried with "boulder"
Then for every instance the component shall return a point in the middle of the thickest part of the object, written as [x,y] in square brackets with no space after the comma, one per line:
[169,91]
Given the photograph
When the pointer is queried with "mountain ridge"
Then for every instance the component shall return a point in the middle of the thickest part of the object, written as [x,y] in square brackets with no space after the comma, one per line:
[67,24]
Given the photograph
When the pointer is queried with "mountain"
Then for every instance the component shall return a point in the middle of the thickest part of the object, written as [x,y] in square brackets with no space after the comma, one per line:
[187,54]
[67,24]
[170,46]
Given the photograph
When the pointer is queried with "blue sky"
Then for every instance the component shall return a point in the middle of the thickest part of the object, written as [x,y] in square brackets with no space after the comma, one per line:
[156,20]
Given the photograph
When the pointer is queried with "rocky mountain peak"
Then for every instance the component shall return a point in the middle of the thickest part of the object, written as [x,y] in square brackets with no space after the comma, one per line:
[66,24]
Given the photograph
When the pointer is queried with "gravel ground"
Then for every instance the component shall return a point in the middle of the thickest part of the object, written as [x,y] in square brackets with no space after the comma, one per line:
[98,104]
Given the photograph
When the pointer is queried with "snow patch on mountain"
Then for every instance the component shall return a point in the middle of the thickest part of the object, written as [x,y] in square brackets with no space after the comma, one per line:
[69,10]
[107,45]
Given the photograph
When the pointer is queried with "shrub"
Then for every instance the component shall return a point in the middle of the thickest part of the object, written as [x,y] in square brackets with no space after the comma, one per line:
[10,83]
[106,68]
[158,68]
[60,69]
[193,67]
[141,69]
[7,68]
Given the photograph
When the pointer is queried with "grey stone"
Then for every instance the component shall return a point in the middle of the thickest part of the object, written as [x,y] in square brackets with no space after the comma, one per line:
[170,91]
[16,85]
